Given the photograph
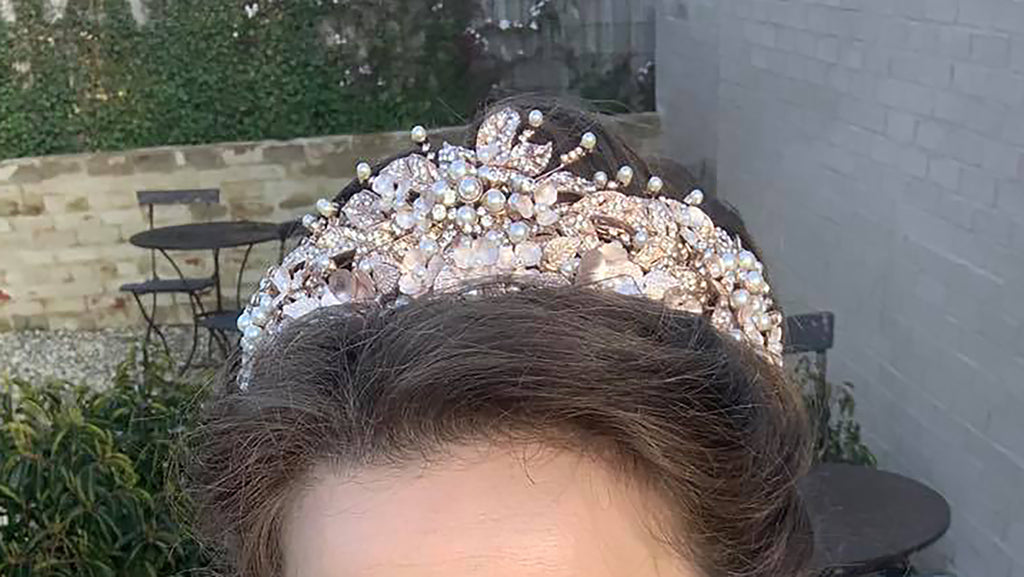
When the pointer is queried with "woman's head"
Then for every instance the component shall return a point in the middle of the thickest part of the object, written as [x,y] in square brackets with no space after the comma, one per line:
[510,428]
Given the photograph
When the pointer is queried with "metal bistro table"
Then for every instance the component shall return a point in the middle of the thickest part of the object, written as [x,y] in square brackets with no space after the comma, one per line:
[212,236]
[866,520]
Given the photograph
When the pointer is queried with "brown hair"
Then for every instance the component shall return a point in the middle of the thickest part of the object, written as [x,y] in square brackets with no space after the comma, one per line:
[713,428]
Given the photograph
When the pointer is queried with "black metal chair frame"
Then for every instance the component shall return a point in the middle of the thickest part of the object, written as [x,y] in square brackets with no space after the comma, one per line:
[150,198]
[286,230]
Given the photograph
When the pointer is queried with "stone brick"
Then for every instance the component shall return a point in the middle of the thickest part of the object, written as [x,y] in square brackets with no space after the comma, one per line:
[241,154]
[75,221]
[1017,54]
[905,96]
[921,69]
[862,113]
[203,158]
[30,322]
[98,235]
[284,154]
[900,126]
[108,164]
[53,238]
[33,223]
[25,172]
[944,171]
[999,85]
[153,160]
[990,49]
[978,186]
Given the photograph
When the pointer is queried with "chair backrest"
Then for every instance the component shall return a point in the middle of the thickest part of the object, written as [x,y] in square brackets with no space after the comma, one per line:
[811,333]
[193,196]
[150,198]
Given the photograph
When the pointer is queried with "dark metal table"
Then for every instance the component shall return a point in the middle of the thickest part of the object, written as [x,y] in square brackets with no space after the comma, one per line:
[212,236]
[866,520]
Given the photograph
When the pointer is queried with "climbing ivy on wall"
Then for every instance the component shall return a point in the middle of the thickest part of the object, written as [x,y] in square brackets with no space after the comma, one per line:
[223,70]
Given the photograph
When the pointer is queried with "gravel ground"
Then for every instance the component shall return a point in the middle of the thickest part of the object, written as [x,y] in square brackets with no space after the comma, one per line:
[86,357]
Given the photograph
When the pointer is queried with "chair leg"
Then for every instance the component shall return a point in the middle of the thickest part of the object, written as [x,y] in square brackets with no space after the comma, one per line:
[193,298]
[151,327]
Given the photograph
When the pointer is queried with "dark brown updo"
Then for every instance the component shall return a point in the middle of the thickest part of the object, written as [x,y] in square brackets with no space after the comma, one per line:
[660,394]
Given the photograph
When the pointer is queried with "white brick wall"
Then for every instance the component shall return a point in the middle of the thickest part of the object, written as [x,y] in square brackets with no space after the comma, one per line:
[876,149]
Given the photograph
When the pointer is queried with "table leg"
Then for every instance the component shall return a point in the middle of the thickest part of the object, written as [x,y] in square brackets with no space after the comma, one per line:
[216,279]
[241,270]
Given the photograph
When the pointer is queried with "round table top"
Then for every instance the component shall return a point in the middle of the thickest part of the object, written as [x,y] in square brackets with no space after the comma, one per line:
[865,519]
[207,235]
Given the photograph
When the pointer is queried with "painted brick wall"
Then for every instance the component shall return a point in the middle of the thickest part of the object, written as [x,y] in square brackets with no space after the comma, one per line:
[877,150]
[65,220]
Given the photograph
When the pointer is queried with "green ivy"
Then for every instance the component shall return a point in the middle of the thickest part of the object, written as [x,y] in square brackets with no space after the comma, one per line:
[86,482]
[837,435]
[210,71]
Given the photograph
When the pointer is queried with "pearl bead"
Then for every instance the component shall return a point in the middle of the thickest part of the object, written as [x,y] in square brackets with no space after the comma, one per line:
[449,197]
[251,333]
[729,261]
[747,260]
[754,281]
[466,216]
[536,118]
[309,221]
[546,216]
[458,169]
[243,321]
[588,141]
[366,265]
[418,134]
[428,245]
[405,219]
[546,194]
[495,237]
[326,207]
[494,200]
[518,231]
[655,184]
[601,179]
[438,212]
[640,238]
[625,175]
[363,171]
[739,299]
[695,197]
[470,189]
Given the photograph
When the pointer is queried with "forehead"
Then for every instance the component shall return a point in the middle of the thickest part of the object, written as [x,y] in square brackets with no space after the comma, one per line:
[480,511]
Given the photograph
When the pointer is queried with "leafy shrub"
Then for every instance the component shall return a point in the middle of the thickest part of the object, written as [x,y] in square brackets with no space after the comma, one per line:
[837,436]
[225,70]
[85,476]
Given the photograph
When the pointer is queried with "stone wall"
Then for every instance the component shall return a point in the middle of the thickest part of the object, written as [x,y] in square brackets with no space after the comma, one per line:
[876,150]
[65,220]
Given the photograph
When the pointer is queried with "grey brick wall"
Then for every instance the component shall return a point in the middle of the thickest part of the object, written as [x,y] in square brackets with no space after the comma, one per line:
[876,148]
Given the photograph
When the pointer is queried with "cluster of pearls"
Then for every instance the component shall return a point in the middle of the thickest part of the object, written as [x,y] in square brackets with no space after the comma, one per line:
[433,219]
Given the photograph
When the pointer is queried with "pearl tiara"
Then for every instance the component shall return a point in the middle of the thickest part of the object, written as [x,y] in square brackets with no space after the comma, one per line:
[441,218]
